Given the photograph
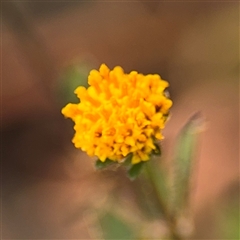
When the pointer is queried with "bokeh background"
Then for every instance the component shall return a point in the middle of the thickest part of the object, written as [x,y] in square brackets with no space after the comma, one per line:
[49,189]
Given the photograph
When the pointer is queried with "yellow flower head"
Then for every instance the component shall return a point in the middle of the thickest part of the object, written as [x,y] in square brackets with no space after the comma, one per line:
[119,114]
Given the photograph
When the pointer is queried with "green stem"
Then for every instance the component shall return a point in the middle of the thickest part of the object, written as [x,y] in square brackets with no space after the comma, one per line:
[171,222]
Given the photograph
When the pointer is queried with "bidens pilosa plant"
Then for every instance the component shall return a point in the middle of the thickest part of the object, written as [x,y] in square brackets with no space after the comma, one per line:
[119,119]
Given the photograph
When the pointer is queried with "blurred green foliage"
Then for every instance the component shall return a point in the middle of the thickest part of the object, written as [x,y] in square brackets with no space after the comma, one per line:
[115,228]
[72,77]
[227,216]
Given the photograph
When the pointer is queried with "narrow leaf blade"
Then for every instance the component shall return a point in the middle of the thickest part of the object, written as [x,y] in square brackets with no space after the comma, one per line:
[185,151]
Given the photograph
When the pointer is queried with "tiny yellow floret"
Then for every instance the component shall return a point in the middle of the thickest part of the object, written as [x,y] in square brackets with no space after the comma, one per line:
[119,114]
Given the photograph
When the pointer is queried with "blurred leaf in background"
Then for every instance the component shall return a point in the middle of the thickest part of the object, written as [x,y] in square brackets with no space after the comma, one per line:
[185,153]
[73,76]
[115,228]
[227,213]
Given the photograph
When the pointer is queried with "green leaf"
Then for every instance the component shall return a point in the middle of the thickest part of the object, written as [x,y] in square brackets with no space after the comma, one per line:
[157,151]
[100,165]
[128,161]
[134,171]
[115,228]
[185,153]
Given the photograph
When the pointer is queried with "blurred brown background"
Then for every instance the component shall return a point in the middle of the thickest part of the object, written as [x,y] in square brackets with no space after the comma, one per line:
[47,185]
